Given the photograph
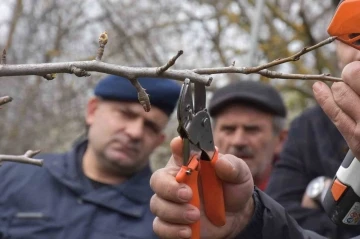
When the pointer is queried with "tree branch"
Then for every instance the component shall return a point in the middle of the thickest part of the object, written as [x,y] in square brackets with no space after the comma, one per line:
[143,97]
[294,57]
[26,158]
[3,57]
[97,66]
[171,62]
[201,75]
[5,99]
[103,39]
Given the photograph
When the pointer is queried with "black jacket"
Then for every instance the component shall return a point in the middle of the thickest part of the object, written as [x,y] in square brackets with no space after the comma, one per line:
[314,148]
[271,221]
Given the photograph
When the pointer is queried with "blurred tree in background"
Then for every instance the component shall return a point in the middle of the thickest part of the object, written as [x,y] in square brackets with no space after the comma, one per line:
[49,115]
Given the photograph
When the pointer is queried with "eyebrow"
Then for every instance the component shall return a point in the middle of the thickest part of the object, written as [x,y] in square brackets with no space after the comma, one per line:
[148,122]
[153,125]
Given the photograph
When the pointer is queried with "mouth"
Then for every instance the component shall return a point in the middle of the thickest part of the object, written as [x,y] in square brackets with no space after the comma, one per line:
[128,151]
[244,157]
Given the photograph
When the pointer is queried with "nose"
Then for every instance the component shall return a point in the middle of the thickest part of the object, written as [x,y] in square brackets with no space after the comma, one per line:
[135,128]
[239,138]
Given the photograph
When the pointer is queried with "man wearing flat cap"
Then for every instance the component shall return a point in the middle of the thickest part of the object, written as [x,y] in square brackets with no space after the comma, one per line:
[249,119]
[99,188]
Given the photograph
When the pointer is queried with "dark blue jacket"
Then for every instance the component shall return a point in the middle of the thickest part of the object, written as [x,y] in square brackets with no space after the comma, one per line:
[58,201]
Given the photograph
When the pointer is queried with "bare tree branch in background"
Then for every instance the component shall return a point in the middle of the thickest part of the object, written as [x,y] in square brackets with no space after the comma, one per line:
[216,34]
[82,68]
[26,158]
[5,99]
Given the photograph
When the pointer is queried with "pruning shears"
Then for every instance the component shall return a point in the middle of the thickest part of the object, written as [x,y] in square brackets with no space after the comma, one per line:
[345,23]
[199,155]
[342,200]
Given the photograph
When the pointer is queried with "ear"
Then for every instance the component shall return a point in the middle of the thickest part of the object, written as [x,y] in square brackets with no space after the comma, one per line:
[282,137]
[92,105]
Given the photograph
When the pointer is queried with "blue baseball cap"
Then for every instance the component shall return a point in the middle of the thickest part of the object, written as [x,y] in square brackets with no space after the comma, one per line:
[163,93]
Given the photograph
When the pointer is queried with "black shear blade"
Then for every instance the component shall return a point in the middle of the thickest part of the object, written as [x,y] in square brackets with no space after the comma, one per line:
[200,97]
[185,107]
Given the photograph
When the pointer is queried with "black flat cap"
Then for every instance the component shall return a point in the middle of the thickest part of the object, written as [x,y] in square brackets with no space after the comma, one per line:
[253,93]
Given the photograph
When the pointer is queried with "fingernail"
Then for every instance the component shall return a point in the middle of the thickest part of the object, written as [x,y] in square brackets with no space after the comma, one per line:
[317,86]
[185,233]
[192,215]
[184,194]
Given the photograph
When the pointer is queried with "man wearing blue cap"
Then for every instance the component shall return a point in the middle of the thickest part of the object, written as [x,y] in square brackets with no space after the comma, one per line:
[100,188]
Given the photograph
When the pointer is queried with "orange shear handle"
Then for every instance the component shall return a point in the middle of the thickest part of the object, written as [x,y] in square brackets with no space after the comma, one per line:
[344,24]
[212,191]
[189,175]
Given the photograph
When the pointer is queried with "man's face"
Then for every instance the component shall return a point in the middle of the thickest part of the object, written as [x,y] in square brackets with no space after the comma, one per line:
[248,134]
[346,54]
[122,135]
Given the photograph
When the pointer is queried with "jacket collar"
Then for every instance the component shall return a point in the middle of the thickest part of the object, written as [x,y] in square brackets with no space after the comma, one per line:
[131,197]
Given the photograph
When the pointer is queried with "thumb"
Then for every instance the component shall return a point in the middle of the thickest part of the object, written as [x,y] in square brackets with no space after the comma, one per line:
[176,146]
[237,180]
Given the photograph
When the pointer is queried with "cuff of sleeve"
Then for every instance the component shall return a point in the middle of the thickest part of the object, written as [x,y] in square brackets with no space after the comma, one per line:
[254,229]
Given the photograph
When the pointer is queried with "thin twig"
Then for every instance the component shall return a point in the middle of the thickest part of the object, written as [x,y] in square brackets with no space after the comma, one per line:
[5,99]
[321,77]
[3,57]
[143,97]
[294,57]
[103,39]
[26,158]
[267,73]
[170,63]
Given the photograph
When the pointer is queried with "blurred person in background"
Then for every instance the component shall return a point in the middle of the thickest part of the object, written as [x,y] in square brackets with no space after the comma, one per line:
[249,121]
[100,187]
[309,161]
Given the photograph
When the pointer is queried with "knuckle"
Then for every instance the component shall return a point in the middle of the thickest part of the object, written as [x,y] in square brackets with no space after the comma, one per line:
[335,115]
[356,134]
[157,227]
[340,90]
[164,230]
[153,207]
[154,179]
[240,171]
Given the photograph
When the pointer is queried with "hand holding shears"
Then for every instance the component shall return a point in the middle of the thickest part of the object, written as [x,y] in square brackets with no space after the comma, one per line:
[199,155]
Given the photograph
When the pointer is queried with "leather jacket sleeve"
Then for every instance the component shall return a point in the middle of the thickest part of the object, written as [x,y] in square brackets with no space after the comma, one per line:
[270,220]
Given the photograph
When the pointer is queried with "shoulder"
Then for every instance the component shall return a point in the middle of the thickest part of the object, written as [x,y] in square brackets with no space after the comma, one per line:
[310,118]
[314,113]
